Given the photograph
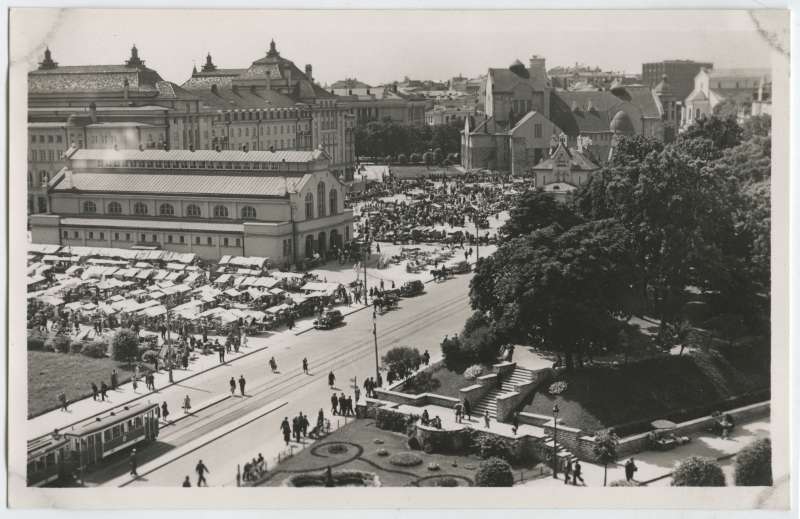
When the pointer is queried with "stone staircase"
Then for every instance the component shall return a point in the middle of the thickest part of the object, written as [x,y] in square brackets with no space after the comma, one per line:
[563,454]
[489,401]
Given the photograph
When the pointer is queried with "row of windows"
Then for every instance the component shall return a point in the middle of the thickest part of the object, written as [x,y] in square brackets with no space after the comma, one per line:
[46,155]
[332,197]
[154,238]
[140,208]
[44,178]
[50,138]
[188,164]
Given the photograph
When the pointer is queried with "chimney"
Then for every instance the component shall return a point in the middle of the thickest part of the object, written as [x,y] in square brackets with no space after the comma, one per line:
[269,80]
[287,70]
[244,148]
[115,147]
[141,147]
[537,62]
[236,89]
[272,149]
[126,87]
[309,75]
[213,88]
[217,148]
[191,147]
[67,182]
[93,111]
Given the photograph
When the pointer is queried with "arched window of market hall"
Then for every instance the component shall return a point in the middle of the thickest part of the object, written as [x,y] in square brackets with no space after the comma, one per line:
[140,208]
[193,210]
[166,210]
[321,199]
[309,205]
[220,211]
[89,207]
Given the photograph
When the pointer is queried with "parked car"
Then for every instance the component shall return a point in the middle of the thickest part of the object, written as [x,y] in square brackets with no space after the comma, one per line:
[411,288]
[329,319]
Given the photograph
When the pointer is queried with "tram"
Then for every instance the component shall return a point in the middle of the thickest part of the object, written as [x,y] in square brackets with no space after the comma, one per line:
[58,456]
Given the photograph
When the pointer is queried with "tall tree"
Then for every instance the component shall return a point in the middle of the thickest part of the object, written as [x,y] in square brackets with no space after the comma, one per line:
[560,288]
[534,209]
[605,450]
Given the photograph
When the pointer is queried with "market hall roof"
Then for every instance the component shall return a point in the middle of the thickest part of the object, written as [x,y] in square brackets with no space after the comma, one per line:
[93,78]
[204,155]
[225,98]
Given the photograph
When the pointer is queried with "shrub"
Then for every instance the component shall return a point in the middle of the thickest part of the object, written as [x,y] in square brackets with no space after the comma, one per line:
[433,466]
[48,347]
[61,343]
[35,344]
[391,421]
[473,372]
[753,467]
[447,482]
[451,157]
[415,158]
[76,347]
[337,448]
[490,446]
[401,159]
[494,472]
[149,356]
[623,483]
[96,349]
[698,471]
[422,382]
[401,360]
[383,452]
[413,443]
[447,163]
[125,346]
[428,448]
[405,459]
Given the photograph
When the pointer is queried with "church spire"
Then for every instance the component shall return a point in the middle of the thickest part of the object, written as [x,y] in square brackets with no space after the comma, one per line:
[209,66]
[47,63]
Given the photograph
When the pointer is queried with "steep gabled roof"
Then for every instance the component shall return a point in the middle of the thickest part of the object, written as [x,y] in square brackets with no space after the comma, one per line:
[93,78]
[505,80]
[168,90]
[227,99]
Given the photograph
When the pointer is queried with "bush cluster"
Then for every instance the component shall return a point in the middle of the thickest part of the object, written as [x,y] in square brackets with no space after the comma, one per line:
[447,482]
[405,459]
[494,472]
[490,446]
[149,356]
[391,421]
[35,344]
[698,471]
[473,372]
[96,349]
[61,343]
[754,465]
[76,347]
[478,344]
[623,483]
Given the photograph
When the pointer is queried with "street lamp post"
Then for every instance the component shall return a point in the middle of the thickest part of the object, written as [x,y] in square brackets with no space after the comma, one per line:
[375,335]
[169,342]
[555,435]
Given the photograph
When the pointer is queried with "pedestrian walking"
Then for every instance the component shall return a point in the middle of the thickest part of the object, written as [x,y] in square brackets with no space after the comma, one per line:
[296,429]
[331,379]
[164,411]
[334,404]
[343,405]
[380,381]
[94,391]
[499,380]
[459,410]
[357,393]
[241,384]
[62,399]
[486,418]
[426,357]
[305,366]
[630,468]
[468,409]
[287,430]
[201,470]
[187,404]
[577,474]
[304,423]
[350,409]
[185,360]
[567,470]
[233,386]
[114,380]
[135,381]
[155,364]
[103,390]
[134,463]
[273,365]
[221,351]
[186,482]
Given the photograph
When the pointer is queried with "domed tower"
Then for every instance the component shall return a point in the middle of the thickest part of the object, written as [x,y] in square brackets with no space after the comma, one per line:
[621,123]
[134,62]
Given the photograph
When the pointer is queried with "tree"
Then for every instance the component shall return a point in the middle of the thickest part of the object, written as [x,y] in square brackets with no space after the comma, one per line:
[605,450]
[731,105]
[533,210]
[631,342]
[753,467]
[698,471]
[559,288]
[401,359]
[125,346]
[681,330]
[757,126]
[727,326]
[61,343]
[724,132]
[402,159]
[494,472]
[437,156]
[415,158]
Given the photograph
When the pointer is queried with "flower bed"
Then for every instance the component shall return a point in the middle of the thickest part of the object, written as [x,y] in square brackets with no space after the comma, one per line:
[558,388]
[341,478]
[405,459]
[473,372]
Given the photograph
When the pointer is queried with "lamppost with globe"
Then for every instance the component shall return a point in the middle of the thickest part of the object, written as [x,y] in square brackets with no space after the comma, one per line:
[555,435]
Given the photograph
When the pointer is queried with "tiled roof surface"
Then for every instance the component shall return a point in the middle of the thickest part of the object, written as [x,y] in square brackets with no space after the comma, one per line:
[208,155]
[646,100]
[96,78]
[305,89]
[168,90]
[583,120]
[179,183]
[577,161]
[227,99]
[741,73]
[504,80]
[205,82]
[173,224]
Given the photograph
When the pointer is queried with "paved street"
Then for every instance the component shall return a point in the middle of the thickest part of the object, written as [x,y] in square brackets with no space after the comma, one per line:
[348,351]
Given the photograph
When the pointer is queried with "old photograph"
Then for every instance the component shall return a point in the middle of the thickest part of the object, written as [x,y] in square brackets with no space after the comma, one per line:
[260,254]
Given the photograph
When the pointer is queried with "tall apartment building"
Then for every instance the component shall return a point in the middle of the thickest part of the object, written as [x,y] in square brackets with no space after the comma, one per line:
[681,74]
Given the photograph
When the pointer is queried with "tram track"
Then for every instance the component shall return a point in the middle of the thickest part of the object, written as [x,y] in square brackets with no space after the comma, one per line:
[264,393]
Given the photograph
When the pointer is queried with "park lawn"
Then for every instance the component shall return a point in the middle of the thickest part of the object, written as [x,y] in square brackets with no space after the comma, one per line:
[363,432]
[668,387]
[443,381]
[49,373]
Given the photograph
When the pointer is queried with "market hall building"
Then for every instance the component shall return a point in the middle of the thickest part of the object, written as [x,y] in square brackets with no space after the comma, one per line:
[285,205]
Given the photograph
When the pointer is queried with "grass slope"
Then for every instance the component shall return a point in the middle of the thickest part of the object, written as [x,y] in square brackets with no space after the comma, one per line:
[441,382]
[669,387]
[49,373]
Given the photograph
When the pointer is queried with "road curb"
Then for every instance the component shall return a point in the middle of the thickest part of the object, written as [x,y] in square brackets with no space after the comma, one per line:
[204,405]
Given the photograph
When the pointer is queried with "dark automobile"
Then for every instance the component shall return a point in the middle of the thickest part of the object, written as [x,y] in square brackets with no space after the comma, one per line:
[411,288]
[329,319]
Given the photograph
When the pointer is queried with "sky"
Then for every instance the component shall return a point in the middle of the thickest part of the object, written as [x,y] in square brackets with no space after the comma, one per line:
[382,46]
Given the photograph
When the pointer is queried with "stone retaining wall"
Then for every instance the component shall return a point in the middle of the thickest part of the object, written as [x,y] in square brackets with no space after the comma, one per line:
[507,403]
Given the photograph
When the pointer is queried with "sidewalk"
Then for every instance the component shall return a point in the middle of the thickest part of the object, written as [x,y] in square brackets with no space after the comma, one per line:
[655,467]
[88,408]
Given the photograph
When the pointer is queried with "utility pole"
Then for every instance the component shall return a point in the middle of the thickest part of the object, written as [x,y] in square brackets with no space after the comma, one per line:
[375,335]
[169,344]
[477,239]
[364,264]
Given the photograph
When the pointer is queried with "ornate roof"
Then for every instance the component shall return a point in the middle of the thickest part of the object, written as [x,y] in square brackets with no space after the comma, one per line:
[621,123]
